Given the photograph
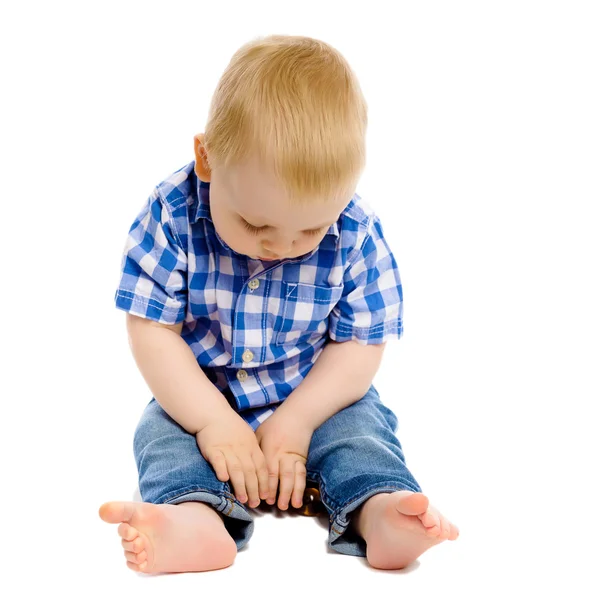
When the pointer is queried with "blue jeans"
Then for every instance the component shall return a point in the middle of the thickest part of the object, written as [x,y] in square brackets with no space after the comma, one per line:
[352,456]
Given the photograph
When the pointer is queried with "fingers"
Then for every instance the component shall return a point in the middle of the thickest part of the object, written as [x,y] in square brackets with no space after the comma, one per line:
[236,475]
[299,485]
[273,475]
[262,474]
[292,480]
[251,481]
[248,476]
[217,460]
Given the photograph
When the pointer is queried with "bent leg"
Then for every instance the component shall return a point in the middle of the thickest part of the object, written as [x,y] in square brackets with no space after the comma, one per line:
[354,455]
[172,470]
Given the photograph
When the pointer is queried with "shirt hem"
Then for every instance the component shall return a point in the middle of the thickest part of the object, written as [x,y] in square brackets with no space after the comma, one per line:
[376,334]
[139,306]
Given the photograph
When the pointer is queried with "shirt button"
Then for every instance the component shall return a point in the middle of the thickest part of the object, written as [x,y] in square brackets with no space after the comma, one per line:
[253,284]
[242,375]
[247,356]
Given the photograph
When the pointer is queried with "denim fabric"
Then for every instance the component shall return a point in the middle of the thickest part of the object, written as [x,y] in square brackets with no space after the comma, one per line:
[353,455]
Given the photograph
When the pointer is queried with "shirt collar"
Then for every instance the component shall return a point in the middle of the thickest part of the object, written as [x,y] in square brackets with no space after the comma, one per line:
[203,208]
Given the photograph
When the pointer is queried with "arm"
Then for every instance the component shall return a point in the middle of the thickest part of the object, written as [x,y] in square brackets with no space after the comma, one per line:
[172,373]
[368,314]
[154,291]
[341,375]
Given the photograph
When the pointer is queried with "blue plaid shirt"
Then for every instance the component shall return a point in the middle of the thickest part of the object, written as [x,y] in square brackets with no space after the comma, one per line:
[257,328]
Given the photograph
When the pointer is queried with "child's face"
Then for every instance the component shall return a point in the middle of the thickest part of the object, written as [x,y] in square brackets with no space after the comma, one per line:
[252,215]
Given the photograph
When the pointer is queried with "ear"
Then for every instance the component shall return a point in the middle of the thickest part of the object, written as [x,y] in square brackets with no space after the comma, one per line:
[201,167]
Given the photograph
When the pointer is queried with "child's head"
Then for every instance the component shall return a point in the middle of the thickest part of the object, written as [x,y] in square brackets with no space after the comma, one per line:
[284,145]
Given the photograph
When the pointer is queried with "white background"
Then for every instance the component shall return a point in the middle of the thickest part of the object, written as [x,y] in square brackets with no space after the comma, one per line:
[483,163]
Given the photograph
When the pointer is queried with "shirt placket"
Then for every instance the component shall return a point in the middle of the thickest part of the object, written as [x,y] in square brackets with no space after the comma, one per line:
[248,346]
[248,343]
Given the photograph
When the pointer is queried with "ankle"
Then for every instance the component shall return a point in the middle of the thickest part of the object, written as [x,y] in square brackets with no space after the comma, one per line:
[196,507]
[363,517]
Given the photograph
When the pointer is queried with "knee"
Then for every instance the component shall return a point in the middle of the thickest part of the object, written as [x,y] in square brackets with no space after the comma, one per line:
[153,425]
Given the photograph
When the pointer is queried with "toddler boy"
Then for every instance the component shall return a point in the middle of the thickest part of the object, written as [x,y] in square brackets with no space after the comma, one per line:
[260,292]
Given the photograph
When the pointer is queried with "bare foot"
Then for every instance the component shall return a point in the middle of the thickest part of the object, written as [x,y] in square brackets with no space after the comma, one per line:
[399,527]
[168,538]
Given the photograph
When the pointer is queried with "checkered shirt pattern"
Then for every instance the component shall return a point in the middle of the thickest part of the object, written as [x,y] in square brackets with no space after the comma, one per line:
[256,328]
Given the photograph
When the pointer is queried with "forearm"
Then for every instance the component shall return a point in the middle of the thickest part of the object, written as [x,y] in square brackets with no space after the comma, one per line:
[340,376]
[172,373]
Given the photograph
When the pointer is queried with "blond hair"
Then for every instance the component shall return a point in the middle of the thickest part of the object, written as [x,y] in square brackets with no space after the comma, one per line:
[295,103]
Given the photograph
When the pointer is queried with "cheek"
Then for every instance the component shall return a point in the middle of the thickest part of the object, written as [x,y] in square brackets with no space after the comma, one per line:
[252,243]
[226,227]
[306,244]
[313,242]
[225,224]
[216,214]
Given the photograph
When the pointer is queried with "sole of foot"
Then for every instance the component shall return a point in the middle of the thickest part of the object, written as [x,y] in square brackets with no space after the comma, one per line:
[167,538]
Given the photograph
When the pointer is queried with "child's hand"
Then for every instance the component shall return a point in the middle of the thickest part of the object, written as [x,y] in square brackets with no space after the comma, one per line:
[231,447]
[285,444]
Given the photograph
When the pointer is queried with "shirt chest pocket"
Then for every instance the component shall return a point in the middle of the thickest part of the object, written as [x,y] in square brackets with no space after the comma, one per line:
[305,311]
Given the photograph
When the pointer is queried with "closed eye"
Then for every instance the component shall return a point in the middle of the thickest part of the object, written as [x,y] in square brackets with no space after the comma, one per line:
[253,230]
[256,230]
[314,231]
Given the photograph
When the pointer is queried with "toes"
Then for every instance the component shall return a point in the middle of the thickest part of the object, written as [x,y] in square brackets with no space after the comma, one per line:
[117,512]
[411,503]
[433,532]
[445,528]
[138,568]
[136,545]
[429,519]
[127,532]
[137,559]
[448,528]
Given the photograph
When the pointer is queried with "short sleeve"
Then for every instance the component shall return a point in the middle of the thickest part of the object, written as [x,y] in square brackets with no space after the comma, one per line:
[154,267]
[370,310]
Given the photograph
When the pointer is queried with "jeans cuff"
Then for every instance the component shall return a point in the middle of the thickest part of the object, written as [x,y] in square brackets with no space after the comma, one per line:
[238,522]
[346,540]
